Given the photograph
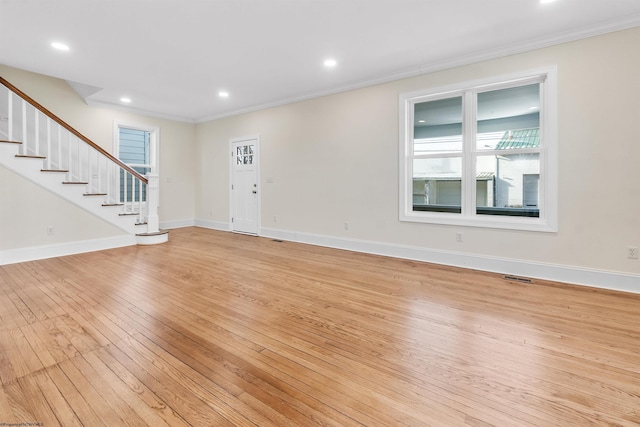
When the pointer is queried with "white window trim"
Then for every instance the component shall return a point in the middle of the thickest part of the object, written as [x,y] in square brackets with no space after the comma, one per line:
[548,202]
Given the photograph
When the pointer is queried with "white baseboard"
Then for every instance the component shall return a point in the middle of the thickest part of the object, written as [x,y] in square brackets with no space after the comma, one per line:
[167,225]
[214,225]
[12,256]
[559,273]
[554,272]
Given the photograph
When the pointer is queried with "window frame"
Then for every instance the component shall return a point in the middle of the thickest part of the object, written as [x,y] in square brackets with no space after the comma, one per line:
[548,181]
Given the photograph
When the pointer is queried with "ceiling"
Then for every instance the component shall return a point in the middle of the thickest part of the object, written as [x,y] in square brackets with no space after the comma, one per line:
[173,57]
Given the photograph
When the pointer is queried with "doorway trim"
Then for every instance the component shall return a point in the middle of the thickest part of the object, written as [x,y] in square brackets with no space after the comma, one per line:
[231,160]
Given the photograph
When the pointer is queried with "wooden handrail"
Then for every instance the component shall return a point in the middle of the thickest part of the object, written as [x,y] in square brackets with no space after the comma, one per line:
[68,127]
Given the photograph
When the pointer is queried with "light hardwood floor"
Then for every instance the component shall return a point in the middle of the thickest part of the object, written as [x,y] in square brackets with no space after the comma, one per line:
[215,329]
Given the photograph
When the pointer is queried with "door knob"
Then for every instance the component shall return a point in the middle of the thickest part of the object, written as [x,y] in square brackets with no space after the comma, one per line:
[255,192]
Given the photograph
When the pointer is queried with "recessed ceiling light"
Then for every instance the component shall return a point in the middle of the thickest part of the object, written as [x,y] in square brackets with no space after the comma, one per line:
[421,121]
[60,46]
[546,1]
[223,94]
[125,100]
[330,63]
[534,108]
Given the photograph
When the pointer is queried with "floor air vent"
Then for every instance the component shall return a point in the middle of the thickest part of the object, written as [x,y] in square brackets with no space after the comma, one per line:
[276,240]
[518,279]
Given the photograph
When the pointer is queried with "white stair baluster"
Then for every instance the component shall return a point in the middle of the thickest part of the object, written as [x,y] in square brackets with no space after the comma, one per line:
[36,134]
[133,193]
[10,118]
[78,157]
[90,186]
[98,173]
[140,213]
[48,161]
[60,147]
[69,174]
[124,187]
[25,142]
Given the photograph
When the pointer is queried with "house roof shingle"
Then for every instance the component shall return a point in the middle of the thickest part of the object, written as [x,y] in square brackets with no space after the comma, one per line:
[522,138]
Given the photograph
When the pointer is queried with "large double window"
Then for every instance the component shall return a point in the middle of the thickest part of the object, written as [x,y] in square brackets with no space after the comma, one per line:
[481,153]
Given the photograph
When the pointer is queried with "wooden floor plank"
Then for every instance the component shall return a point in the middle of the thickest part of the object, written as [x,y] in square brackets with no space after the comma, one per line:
[60,407]
[5,408]
[25,353]
[7,373]
[117,390]
[20,409]
[137,389]
[216,328]
[53,341]
[82,406]
[35,400]
[97,392]
[168,388]
[15,365]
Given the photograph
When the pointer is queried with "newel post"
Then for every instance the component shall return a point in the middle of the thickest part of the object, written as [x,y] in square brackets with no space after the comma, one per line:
[153,199]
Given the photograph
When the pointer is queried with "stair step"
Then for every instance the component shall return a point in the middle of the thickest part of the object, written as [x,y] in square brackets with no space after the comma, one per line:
[94,194]
[75,182]
[153,238]
[54,170]
[28,156]
[113,204]
[129,214]
[140,223]
[11,142]
[155,233]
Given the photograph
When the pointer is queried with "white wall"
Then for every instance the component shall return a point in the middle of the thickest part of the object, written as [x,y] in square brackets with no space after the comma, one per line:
[334,159]
[22,227]
[177,167]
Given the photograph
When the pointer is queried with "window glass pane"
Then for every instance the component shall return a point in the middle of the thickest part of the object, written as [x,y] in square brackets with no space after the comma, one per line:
[437,184]
[509,118]
[134,146]
[438,126]
[507,184]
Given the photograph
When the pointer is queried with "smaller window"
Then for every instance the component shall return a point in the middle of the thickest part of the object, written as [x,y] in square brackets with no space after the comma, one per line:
[136,146]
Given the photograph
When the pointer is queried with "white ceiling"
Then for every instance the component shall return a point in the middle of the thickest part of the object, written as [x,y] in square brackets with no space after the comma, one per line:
[172,57]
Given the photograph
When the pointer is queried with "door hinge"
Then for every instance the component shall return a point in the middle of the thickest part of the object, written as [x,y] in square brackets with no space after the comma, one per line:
[231,219]
[232,186]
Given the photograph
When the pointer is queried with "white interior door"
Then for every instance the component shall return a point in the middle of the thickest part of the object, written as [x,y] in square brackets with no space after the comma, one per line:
[244,186]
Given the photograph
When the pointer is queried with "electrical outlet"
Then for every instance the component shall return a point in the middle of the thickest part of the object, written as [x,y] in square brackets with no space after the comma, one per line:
[275,218]
[346,225]
[51,231]
[458,237]
[632,252]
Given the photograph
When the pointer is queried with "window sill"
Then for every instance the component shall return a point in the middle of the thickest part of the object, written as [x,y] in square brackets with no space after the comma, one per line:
[496,221]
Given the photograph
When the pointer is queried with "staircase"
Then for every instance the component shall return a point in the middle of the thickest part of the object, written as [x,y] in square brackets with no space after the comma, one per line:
[41,147]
